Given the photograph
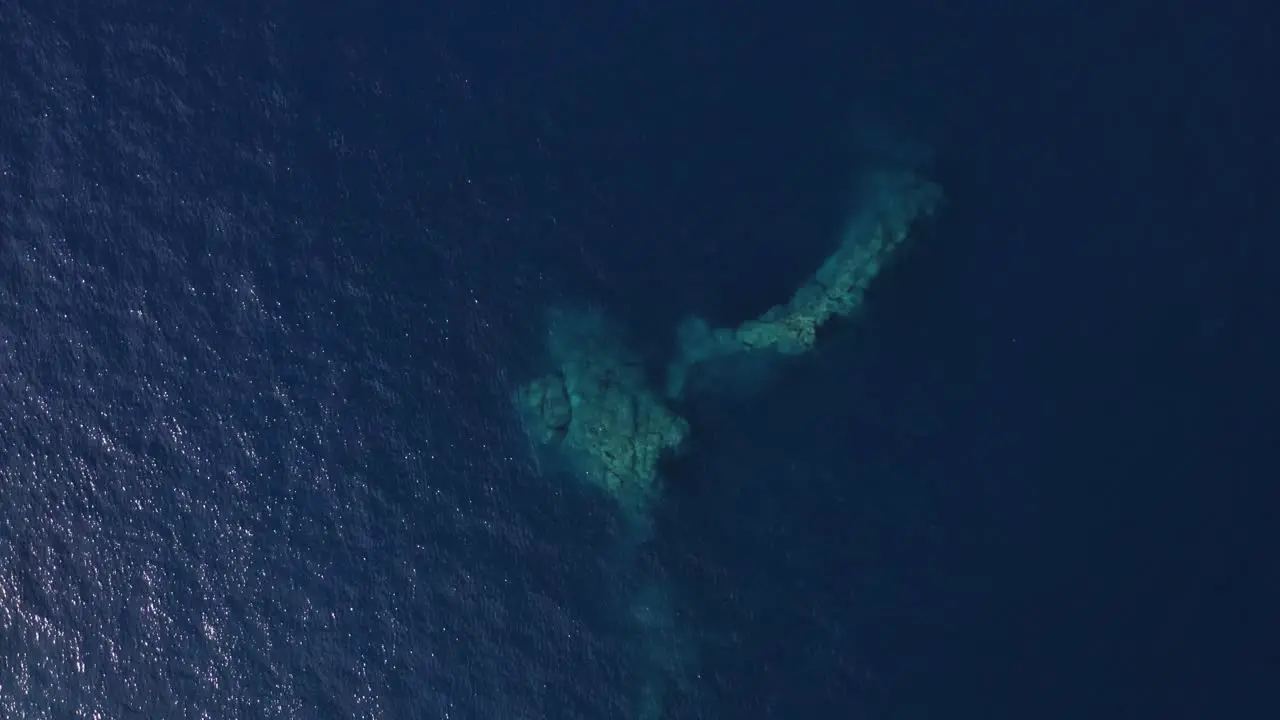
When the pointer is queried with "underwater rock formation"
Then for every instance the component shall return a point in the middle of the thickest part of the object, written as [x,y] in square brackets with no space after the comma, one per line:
[597,406]
[599,410]
[892,202]
[666,656]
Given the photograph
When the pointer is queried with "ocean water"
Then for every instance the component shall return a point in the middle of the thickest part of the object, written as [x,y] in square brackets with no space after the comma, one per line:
[270,273]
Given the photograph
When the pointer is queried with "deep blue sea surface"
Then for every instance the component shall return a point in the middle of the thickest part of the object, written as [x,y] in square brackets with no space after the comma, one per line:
[270,273]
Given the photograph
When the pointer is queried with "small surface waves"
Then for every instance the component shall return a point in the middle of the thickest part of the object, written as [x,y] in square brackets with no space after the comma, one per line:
[232,484]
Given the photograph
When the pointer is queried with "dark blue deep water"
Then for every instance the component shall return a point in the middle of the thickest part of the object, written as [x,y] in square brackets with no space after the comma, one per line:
[270,272]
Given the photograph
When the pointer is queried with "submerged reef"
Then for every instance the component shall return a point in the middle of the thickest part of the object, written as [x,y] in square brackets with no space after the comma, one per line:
[597,406]
[603,411]
[598,409]
[891,204]
[666,656]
